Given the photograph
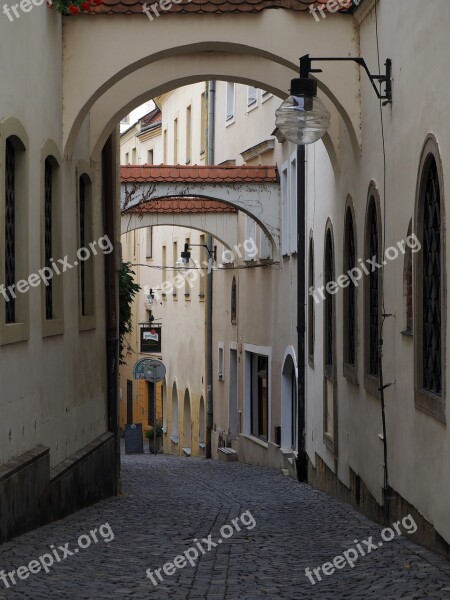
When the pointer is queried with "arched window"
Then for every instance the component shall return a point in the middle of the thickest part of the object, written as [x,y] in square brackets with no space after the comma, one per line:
[174,415]
[187,423]
[234,301]
[349,297]
[311,331]
[430,286]
[330,421]
[372,285]
[408,287]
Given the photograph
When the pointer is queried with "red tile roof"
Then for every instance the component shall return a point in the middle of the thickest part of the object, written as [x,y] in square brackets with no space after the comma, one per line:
[110,7]
[151,118]
[198,174]
[182,205]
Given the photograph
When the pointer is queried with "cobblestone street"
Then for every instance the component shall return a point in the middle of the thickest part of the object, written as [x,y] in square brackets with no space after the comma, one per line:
[168,501]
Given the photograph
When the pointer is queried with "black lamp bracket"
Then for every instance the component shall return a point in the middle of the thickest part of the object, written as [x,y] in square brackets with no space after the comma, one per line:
[212,253]
[306,69]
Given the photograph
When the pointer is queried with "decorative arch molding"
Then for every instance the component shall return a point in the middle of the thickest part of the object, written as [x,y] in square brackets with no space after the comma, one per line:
[371,382]
[222,36]
[289,403]
[425,400]
[350,295]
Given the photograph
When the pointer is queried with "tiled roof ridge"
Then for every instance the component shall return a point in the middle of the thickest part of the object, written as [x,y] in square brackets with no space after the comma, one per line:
[199,173]
[206,6]
[182,205]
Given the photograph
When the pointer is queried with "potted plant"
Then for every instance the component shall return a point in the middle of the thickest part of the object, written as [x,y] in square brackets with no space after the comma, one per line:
[155,448]
[74,7]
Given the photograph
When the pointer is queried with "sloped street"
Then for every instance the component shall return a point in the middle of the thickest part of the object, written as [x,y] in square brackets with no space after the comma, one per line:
[168,502]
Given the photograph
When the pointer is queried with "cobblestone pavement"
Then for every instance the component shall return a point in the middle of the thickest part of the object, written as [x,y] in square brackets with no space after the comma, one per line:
[168,501]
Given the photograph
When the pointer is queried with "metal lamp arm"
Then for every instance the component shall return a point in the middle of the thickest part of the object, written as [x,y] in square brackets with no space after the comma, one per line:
[306,69]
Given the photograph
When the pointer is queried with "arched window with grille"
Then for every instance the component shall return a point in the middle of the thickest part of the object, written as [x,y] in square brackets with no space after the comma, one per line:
[349,338]
[311,331]
[373,291]
[430,286]
[330,420]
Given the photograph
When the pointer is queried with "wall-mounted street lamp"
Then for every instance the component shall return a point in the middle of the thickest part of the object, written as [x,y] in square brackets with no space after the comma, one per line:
[186,255]
[303,118]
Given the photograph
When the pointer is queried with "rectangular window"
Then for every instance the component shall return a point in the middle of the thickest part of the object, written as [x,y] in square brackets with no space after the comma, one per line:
[202,273]
[151,403]
[203,123]
[149,242]
[86,265]
[48,242]
[221,365]
[164,271]
[187,287]
[129,402]
[15,302]
[165,157]
[10,229]
[231,101]
[284,211]
[264,246]
[293,204]
[134,157]
[188,134]
[150,157]
[252,96]
[250,236]
[175,258]
[127,158]
[175,141]
[259,395]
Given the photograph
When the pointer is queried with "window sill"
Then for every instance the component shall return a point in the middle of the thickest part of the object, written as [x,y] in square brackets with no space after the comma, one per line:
[251,107]
[407,333]
[174,439]
[371,385]
[14,333]
[52,327]
[230,121]
[86,323]
[329,442]
[350,373]
[431,404]
[256,440]
[311,360]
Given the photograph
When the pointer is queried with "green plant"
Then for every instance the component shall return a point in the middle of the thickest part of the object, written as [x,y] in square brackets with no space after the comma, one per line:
[127,291]
[159,431]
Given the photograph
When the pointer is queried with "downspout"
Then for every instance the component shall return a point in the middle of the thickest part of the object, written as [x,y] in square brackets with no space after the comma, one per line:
[209,279]
[109,161]
[302,461]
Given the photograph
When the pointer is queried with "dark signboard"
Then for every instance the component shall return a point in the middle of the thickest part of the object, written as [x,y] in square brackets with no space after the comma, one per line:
[134,443]
[151,339]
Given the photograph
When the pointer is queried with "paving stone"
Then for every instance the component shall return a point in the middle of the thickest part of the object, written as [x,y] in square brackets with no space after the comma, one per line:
[167,502]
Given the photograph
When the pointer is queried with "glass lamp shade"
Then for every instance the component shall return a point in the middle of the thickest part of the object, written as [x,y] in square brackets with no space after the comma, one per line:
[303,119]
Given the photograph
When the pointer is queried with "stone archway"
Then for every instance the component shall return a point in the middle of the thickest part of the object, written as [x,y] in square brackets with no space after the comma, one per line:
[210,48]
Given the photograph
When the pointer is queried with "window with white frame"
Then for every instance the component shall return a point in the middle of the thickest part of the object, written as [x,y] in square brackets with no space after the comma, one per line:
[252,96]
[250,234]
[289,206]
[284,210]
[231,101]
[221,365]
[293,202]
[264,245]
[149,242]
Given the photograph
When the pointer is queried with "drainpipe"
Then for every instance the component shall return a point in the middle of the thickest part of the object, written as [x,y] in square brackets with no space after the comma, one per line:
[209,280]
[302,462]
[109,193]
